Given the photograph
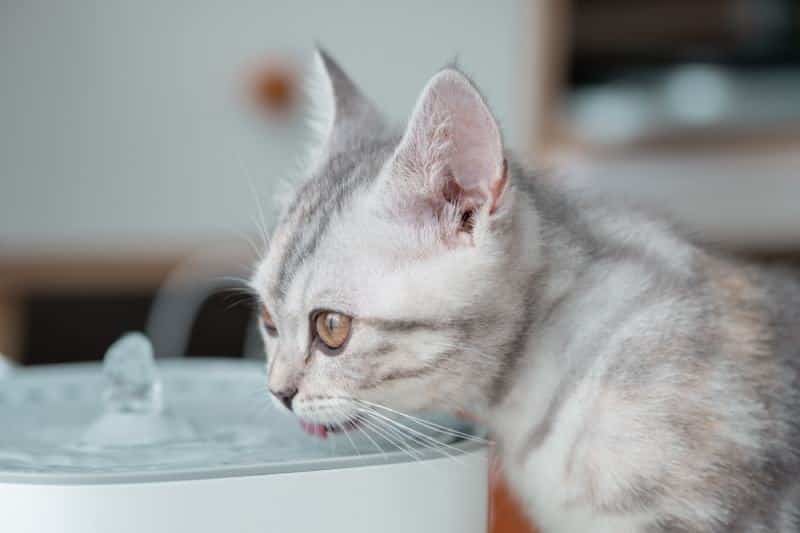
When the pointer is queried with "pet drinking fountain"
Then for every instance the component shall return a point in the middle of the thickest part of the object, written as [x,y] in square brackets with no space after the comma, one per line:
[194,446]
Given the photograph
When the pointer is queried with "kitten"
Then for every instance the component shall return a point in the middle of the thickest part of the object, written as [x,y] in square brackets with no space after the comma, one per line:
[633,381]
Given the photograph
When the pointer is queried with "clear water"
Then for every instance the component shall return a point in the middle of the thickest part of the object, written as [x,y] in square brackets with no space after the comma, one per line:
[133,415]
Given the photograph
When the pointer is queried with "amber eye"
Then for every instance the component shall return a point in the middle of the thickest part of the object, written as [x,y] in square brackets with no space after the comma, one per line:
[332,328]
[269,324]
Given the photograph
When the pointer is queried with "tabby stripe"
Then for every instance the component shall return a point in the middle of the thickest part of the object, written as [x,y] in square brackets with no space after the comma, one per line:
[410,373]
[334,185]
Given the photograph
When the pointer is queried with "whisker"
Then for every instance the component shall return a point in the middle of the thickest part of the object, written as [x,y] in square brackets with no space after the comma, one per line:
[356,425]
[234,279]
[374,443]
[349,438]
[252,245]
[436,444]
[246,301]
[399,444]
[346,433]
[417,446]
[427,423]
[383,434]
[261,223]
[236,291]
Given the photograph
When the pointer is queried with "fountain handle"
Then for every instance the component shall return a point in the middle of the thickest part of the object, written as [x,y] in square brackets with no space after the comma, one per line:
[184,291]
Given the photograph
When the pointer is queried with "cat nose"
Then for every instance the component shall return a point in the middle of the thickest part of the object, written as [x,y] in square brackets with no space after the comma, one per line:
[286,396]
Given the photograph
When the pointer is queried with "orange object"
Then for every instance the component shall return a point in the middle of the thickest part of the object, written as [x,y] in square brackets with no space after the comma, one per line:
[274,86]
[506,515]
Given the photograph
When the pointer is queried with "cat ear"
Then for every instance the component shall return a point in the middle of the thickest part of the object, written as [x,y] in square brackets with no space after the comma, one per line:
[452,151]
[341,115]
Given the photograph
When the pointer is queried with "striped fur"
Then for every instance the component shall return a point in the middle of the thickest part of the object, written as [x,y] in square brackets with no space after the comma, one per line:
[634,381]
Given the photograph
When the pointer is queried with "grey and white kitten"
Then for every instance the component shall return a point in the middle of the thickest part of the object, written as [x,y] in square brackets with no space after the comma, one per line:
[633,381]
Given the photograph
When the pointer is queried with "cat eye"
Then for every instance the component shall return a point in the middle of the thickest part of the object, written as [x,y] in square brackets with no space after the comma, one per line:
[269,324]
[332,328]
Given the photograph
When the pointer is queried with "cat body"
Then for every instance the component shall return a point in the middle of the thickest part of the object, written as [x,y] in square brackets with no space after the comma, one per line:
[634,382]
[659,389]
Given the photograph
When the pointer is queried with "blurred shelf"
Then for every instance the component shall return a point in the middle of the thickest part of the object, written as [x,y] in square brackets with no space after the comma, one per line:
[693,115]
[709,140]
[97,270]
[47,271]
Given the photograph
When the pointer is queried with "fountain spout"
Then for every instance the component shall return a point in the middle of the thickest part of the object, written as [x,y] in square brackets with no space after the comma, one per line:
[134,412]
[133,384]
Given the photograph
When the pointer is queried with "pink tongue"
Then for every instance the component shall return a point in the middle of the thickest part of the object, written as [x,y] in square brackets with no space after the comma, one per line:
[316,430]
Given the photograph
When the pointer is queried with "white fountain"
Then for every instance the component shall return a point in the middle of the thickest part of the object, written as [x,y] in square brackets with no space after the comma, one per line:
[194,446]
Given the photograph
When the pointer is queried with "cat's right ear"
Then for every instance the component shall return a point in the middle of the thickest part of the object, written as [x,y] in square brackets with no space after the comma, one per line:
[450,162]
[340,114]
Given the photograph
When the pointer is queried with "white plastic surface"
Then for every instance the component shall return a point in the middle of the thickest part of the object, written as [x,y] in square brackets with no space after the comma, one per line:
[438,496]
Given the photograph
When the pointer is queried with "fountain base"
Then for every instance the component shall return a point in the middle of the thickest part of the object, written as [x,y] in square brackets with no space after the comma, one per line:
[195,446]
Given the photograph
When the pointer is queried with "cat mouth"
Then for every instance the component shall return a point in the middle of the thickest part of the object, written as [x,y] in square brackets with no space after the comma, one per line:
[323,430]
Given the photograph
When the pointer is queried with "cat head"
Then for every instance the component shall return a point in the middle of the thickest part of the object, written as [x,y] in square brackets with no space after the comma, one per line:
[389,277]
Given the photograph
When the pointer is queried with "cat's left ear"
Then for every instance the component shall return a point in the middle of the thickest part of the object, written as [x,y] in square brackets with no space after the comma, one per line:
[452,150]
[341,114]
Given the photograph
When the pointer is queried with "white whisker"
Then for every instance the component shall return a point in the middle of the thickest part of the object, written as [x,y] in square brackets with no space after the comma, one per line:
[374,443]
[245,284]
[349,438]
[416,444]
[261,223]
[393,440]
[427,423]
[421,438]
[343,429]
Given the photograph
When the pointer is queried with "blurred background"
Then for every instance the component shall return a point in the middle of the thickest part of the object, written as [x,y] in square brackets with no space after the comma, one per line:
[142,143]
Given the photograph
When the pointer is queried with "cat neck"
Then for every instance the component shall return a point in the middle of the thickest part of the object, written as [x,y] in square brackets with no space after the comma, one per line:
[551,250]
[594,256]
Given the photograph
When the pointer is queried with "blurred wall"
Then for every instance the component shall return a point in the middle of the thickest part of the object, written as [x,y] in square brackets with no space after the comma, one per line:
[124,122]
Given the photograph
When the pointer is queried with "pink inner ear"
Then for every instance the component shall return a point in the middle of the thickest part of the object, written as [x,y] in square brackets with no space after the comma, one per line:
[453,144]
[499,188]
[476,150]
[471,199]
